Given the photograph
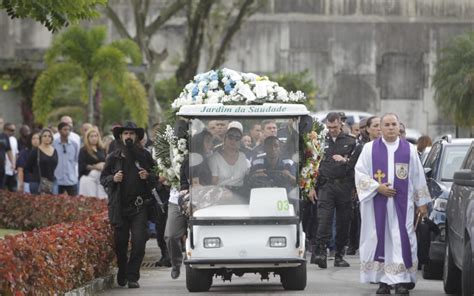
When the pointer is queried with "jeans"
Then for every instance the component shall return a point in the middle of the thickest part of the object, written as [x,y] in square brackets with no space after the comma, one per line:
[135,225]
[34,187]
[71,190]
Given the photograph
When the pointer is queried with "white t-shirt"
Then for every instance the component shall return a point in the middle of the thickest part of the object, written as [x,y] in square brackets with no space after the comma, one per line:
[8,165]
[232,175]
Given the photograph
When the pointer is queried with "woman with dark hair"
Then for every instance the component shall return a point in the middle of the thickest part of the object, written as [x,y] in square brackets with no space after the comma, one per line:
[373,128]
[370,132]
[42,163]
[24,177]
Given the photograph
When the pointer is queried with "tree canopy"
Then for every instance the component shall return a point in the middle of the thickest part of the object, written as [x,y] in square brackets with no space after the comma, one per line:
[54,15]
[80,57]
[454,80]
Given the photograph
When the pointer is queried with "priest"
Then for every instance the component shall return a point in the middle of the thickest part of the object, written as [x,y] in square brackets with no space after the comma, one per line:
[393,195]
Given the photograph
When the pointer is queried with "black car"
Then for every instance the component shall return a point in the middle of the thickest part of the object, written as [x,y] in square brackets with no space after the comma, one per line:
[458,271]
[444,158]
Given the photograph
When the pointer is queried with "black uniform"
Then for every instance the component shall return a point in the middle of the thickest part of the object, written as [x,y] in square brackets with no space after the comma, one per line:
[131,204]
[354,229]
[335,186]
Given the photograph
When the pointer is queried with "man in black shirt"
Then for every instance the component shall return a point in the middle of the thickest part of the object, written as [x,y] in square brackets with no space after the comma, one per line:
[128,180]
[335,185]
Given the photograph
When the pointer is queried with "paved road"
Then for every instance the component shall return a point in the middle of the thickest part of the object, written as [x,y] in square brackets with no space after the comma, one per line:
[332,281]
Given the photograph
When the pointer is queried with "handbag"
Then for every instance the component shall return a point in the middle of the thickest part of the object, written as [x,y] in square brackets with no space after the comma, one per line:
[45,185]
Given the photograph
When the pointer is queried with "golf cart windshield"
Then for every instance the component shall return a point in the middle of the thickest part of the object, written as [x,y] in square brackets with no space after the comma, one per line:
[244,167]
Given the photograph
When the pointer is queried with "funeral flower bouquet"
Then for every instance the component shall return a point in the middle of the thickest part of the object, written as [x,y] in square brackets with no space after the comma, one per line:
[231,87]
[169,154]
[313,154]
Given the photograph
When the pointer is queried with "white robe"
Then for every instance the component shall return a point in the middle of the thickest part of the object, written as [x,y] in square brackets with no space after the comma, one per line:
[393,270]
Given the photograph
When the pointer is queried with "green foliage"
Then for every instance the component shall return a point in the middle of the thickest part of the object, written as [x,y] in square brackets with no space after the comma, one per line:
[454,80]
[134,97]
[54,15]
[298,81]
[167,90]
[79,57]
[47,86]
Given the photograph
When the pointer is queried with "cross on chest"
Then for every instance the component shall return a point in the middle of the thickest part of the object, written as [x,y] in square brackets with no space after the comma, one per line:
[379,176]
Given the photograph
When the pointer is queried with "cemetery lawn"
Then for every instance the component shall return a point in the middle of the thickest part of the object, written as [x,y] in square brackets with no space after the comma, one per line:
[4,232]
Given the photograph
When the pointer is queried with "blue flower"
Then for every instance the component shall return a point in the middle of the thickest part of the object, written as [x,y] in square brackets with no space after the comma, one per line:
[205,89]
[229,86]
[195,91]
[213,76]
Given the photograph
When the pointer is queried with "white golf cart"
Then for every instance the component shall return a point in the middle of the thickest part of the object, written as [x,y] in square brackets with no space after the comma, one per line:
[250,228]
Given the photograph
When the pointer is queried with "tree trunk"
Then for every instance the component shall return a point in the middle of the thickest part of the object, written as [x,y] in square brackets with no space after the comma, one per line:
[97,107]
[91,100]
[155,112]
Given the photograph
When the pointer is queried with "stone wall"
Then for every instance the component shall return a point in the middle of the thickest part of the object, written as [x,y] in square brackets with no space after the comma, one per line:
[369,55]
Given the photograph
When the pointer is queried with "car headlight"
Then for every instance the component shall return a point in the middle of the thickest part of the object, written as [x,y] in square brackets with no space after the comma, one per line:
[277,242]
[212,242]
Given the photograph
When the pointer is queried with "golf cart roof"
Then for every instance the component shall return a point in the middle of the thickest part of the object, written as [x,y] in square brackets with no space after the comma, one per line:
[243,110]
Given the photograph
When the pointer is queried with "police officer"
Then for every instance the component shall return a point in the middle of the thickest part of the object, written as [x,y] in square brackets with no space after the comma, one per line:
[335,185]
[128,179]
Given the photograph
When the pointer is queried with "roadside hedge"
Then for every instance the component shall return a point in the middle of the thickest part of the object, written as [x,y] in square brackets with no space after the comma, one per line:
[26,211]
[56,258]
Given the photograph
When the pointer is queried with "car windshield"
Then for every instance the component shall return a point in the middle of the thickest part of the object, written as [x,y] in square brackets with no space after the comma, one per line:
[452,161]
[244,167]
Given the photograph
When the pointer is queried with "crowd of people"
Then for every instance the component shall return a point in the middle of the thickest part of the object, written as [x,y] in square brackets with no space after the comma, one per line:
[236,157]
[53,160]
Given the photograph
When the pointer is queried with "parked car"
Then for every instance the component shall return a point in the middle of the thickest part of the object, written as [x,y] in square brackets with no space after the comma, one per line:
[351,115]
[445,157]
[458,271]
[424,155]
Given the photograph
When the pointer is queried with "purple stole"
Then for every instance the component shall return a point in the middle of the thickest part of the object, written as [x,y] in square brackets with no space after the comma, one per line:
[380,164]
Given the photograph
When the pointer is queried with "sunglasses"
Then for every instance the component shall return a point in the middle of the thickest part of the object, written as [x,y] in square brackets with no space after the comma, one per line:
[234,137]
[64,148]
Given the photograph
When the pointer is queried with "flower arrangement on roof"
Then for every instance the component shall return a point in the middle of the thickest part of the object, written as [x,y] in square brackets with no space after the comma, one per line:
[231,87]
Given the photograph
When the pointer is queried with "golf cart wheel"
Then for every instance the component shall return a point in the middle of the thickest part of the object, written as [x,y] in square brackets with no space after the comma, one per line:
[198,280]
[294,278]
[451,274]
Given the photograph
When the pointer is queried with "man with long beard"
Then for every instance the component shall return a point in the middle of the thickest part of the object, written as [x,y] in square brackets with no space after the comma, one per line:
[128,179]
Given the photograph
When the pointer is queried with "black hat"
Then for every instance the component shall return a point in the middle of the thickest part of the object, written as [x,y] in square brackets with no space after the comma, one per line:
[129,126]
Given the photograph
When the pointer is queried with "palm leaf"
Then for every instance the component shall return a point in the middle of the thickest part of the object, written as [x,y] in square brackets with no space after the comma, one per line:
[135,98]
[454,80]
[130,49]
[47,86]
